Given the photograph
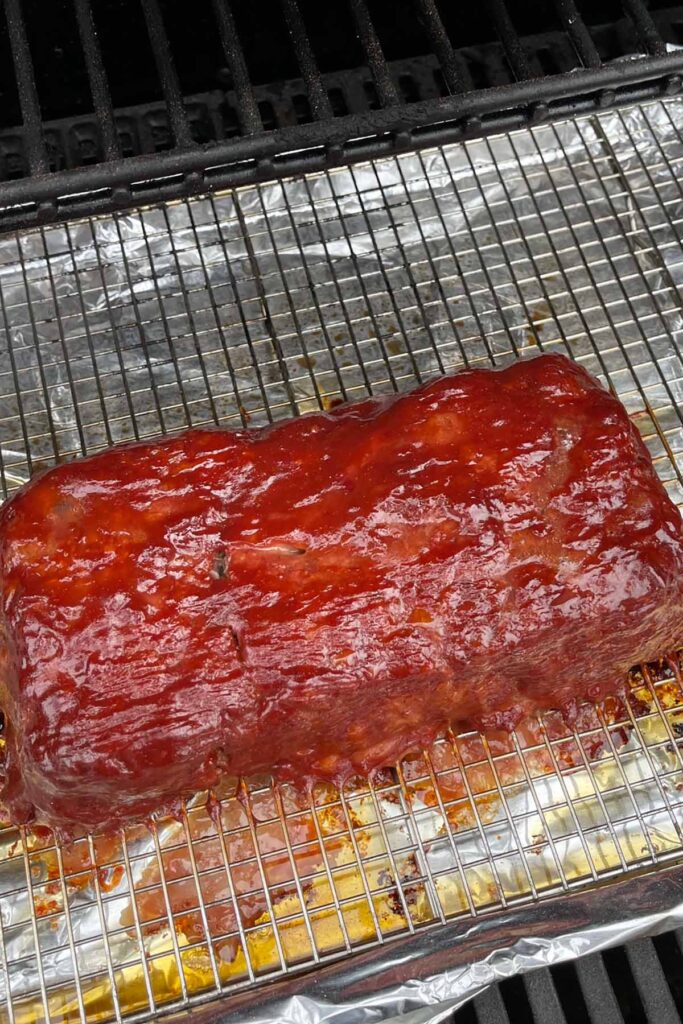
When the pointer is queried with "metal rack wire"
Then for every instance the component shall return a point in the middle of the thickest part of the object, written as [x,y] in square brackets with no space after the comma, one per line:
[269,302]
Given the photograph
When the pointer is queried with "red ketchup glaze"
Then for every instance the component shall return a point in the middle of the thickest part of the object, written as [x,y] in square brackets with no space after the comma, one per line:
[318,597]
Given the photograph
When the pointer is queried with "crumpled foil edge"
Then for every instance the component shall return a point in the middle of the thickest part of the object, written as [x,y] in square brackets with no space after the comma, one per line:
[423,980]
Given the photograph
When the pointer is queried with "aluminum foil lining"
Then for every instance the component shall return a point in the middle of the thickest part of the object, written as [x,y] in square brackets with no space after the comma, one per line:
[272,301]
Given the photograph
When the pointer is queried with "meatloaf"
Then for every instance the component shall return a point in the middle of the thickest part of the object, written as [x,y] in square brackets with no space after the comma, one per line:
[320,596]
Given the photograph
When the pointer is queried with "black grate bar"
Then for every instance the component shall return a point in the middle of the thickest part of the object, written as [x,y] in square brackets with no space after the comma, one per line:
[651,982]
[543,998]
[247,108]
[237,161]
[168,78]
[509,37]
[36,150]
[597,991]
[441,45]
[369,40]
[317,94]
[575,28]
[645,27]
[97,78]
[490,1008]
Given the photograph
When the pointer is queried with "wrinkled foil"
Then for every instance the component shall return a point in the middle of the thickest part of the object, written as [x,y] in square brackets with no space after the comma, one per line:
[278,299]
[523,942]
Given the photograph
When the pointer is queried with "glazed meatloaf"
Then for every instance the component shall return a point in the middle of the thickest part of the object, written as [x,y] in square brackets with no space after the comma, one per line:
[320,596]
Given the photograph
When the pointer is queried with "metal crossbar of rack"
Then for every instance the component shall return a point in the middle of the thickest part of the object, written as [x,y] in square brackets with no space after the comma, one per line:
[356,79]
[269,302]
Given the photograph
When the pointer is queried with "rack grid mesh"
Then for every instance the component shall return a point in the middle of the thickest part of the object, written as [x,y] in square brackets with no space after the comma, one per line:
[272,301]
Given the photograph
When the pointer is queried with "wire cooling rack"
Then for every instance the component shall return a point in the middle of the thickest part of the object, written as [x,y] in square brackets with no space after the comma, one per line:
[292,296]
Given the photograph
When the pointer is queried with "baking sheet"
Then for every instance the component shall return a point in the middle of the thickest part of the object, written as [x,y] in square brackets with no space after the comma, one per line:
[269,302]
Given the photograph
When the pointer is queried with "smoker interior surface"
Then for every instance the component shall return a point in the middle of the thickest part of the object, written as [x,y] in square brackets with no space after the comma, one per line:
[279,299]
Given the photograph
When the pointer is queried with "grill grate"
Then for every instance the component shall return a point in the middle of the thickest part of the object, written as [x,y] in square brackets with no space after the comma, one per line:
[269,302]
[360,79]
[636,983]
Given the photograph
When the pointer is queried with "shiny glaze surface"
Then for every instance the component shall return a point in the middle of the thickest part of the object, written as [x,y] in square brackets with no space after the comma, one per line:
[320,596]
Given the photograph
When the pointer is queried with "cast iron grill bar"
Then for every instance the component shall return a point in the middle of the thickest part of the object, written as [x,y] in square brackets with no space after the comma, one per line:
[651,982]
[236,161]
[577,31]
[430,20]
[490,1008]
[645,26]
[97,78]
[637,987]
[29,103]
[543,998]
[318,99]
[597,991]
[372,47]
[509,37]
[168,78]
[247,109]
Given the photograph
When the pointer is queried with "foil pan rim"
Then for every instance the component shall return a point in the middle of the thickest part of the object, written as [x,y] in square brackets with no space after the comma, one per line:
[425,982]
